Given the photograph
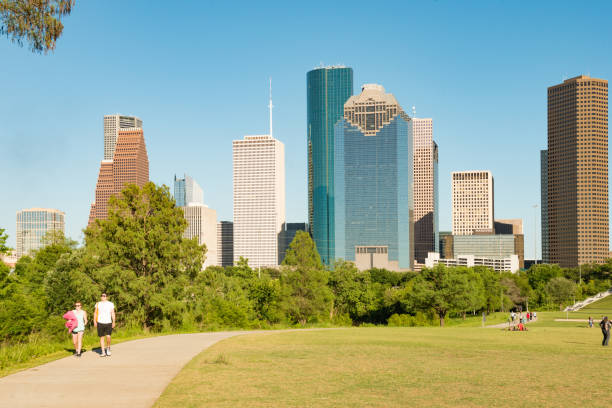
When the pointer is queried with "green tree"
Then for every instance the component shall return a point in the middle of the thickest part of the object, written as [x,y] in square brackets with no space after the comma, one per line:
[492,288]
[443,290]
[37,22]
[560,289]
[306,296]
[143,259]
[3,237]
[353,291]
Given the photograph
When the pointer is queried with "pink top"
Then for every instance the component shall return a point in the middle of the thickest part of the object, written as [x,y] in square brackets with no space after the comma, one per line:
[71,320]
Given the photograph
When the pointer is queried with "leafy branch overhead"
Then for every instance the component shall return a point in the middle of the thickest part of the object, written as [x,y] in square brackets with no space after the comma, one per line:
[37,22]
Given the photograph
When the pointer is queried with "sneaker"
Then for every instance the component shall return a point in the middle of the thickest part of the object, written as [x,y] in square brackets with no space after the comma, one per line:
[79,355]
[108,352]
[102,355]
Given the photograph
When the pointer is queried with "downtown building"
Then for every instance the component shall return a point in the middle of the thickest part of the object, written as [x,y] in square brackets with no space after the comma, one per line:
[201,220]
[425,152]
[373,206]
[129,164]
[472,202]
[225,243]
[32,226]
[259,199]
[575,226]
[327,90]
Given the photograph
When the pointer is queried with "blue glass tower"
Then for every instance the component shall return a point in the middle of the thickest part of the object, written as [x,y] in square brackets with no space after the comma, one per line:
[373,179]
[327,90]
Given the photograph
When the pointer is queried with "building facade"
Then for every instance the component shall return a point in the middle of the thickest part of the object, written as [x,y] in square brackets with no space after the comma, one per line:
[130,165]
[112,125]
[425,153]
[578,220]
[32,226]
[225,243]
[187,191]
[202,224]
[373,180]
[259,199]
[507,264]
[544,204]
[472,203]
[327,89]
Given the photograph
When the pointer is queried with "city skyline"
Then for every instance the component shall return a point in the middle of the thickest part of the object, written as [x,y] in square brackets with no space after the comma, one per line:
[466,125]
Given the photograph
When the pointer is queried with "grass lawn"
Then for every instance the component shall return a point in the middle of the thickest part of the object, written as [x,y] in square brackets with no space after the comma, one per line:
[562,366]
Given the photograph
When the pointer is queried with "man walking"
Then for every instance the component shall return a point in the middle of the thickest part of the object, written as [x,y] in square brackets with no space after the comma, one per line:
[605,325]
[104,321]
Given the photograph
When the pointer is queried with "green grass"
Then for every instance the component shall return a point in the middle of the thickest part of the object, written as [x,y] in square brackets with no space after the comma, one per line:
[398,367]
[596,310]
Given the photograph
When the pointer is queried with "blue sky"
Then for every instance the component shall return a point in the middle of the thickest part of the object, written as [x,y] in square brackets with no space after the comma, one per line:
[197,74]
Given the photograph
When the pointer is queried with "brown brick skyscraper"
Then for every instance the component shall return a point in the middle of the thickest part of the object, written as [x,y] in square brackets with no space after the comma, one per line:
[578,171]
[130,165]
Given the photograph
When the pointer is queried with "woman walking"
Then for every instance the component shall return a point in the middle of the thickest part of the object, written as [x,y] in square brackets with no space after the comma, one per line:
[605,325]
[77,333]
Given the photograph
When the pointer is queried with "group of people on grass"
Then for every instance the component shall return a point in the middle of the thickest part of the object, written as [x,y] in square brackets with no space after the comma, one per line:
[517,321]
[104,322]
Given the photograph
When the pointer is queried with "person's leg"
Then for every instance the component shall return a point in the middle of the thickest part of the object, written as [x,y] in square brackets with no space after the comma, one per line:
[603,342]
[108,341]
[75,342]
[80,342]
[102,345]
[607,338]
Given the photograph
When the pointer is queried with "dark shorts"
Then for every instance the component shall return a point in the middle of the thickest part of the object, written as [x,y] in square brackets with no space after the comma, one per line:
[105,329]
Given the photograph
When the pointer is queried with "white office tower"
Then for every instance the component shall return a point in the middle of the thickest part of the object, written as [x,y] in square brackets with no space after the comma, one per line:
[472,202]
[112,125]
[259,199]
[33,225]
[202,223]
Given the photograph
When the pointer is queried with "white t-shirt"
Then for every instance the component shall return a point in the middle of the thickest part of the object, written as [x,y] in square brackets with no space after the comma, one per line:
[104,311]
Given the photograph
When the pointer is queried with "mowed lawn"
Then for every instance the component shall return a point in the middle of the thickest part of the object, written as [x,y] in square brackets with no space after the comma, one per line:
[400,367]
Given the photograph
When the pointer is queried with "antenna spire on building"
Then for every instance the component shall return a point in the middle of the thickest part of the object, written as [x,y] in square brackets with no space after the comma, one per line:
[270,106]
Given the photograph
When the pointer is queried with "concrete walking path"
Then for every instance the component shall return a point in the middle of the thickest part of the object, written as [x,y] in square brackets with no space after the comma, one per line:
[134,376]
[505,325]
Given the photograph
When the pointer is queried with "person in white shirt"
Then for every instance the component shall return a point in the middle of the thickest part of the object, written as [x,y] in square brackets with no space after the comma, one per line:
[104,321]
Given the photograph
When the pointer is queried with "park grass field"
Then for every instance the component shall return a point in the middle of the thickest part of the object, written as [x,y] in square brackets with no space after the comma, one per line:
[558,366]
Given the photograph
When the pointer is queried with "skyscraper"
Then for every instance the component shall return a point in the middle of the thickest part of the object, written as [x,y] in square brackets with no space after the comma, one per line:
[327,90]
[259,199]
[202,224]
[130,165]
[33,224]
[472,203]
[425,188]
[186,191]
[112,125]
[544,204]
[578,220]
[225,243]
[373,182]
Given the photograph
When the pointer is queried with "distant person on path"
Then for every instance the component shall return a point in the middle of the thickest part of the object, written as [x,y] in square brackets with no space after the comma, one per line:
[605,325]
[535,315]
[77,332]
[104,321]
[590,322]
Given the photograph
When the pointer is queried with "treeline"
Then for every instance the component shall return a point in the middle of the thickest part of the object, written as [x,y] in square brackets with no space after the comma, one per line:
[155,278]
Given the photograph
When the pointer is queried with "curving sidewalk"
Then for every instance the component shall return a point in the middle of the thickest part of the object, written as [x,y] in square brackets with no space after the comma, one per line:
[135,375]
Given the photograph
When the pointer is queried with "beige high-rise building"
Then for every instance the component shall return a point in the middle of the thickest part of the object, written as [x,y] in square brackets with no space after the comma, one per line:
[202,223]
[577,196]
[32,226]
[425,153]
[472,202]
[259,199]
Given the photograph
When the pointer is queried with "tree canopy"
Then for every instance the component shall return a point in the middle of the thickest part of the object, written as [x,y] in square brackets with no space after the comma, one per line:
[37,22]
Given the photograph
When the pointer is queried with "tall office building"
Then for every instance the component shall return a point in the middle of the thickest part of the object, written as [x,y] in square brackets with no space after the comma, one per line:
[327,90]
[373,182]
[202,224]
[130,165]
[287,235]
[187,191]
[33,224]
[225,243]
[544,204]
[259,199]
[112,125]
[578,220]
[472,203]
[425,152]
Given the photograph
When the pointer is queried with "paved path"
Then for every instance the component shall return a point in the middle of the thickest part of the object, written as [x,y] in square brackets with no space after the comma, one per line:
[134,376]
[505,325]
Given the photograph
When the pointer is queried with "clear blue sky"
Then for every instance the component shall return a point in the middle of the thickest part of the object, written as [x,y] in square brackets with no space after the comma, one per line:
[197,75]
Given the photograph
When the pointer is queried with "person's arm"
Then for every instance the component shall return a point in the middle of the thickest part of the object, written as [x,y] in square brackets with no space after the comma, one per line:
[84,318]
[96,316]
[113,316]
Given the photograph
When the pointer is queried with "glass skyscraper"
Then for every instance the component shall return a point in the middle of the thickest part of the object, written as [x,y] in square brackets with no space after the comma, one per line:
[373,182]
[328,89]
[186,191]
